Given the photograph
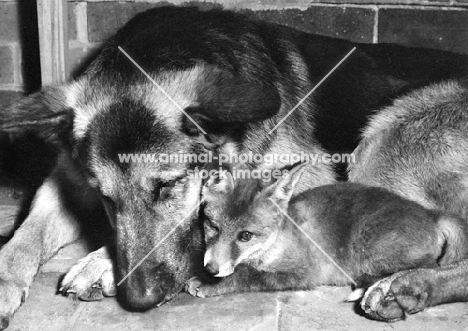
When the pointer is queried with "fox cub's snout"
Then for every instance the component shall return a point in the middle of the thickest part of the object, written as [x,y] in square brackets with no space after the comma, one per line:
[241,220]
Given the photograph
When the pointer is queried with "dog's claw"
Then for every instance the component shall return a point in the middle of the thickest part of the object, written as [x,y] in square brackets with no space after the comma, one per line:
[4,322]
[97,285]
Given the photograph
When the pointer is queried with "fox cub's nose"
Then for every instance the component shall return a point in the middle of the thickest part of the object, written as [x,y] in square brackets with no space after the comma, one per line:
[212,269]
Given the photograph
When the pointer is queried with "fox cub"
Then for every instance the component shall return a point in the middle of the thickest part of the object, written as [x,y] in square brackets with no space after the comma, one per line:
[369,232]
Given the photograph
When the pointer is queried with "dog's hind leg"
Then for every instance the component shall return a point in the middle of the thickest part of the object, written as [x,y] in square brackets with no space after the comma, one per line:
[408,292]
[51,224]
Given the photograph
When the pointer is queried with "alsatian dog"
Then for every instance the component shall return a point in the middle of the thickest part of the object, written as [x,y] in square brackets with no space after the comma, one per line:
[236,78]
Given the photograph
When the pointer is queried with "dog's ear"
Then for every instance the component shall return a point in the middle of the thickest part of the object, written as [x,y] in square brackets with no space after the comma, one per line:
[228,102]
[226,98]
[281,191]
[43,113]
[220,183]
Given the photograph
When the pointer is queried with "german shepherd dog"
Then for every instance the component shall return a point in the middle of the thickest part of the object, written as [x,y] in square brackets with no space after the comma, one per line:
[369,232]
[236,78]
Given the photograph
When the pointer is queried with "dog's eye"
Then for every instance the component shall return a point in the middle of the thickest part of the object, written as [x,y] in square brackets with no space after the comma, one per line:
[181,181]
[162,192]
[167,183]
[245,236]
[171,183]
[163,189]
[211,225]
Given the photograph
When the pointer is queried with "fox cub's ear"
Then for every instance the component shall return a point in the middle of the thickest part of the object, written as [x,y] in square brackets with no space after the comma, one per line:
[219,183]
[283,189]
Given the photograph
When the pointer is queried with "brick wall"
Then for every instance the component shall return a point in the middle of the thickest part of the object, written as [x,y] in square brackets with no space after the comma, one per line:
[430,23]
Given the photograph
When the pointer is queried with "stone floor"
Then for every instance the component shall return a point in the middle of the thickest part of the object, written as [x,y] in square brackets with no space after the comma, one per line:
[321,309]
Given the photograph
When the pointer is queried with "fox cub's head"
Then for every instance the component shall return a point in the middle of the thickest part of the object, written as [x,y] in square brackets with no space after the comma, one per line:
[241,220]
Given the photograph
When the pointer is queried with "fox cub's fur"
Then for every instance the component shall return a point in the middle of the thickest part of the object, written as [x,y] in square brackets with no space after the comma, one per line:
[369,232]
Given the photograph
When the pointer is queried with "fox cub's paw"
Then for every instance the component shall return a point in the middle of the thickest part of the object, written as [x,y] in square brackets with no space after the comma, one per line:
[91,278]
[391,298]
[196,287]
[193,286]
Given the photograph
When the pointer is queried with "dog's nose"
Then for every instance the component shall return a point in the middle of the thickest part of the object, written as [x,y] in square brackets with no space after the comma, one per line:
[212,269]
[149,299]
[141,296]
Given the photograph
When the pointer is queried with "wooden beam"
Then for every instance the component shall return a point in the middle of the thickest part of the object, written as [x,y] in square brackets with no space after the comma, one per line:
[53,40]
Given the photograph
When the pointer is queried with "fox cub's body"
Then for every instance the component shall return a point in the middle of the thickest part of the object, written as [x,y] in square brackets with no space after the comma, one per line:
[369,232]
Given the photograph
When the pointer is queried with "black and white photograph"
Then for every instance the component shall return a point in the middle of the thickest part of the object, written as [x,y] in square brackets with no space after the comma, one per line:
[270,165]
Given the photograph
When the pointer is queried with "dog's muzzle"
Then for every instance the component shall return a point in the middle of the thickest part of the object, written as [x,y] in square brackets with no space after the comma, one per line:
[140,294]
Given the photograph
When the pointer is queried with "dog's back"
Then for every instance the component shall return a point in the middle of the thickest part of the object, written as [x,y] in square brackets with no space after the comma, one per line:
[418,148]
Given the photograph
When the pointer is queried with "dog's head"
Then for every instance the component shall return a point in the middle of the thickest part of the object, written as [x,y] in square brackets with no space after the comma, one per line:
[118,133]
[242,220]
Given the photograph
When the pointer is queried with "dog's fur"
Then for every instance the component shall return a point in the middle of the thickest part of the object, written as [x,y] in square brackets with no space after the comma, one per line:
[369,232]
[235,77]
[418,148]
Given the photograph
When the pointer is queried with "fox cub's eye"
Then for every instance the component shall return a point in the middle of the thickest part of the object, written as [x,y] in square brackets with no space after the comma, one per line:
[245,236]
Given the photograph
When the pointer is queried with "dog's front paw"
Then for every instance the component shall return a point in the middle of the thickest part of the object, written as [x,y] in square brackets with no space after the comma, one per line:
[12,295]
[92,278]
[391,298]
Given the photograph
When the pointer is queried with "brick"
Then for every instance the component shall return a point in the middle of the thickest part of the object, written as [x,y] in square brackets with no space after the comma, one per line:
[9,21]
[387,2]
[321,309]
[324,309]
[44,309]
[71,11]
[350,23]
[105,18]
[7,67]
[439,29]
[80,57]
[354,24]
[249,311]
